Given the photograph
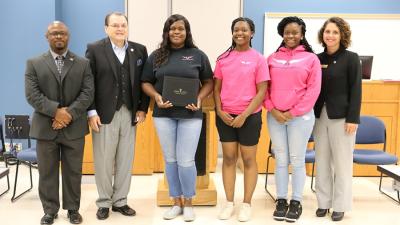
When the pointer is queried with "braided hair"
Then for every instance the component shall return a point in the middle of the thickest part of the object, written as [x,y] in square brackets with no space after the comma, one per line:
[294,19]
[233,45]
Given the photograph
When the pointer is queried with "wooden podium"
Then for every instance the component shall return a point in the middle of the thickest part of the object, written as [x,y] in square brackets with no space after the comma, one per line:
[206,193]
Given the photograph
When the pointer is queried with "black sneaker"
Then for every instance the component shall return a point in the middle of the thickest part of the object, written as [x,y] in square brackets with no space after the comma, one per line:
[281,209]
[294,212]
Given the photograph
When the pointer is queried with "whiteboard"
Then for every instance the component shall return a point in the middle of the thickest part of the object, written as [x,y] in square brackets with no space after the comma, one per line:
[372,34]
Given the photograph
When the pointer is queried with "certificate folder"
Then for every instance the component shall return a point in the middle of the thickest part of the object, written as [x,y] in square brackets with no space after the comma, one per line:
[180,91]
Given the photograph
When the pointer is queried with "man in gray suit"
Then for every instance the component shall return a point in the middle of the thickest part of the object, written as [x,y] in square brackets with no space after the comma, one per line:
[118,106]
[59,86]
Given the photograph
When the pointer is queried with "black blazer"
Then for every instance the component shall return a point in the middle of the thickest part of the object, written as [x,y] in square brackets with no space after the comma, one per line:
[45,92]
[102,62]
[341,86]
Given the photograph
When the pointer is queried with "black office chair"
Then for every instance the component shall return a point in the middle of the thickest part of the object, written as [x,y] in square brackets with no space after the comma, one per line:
[372,130]
[4,171]
[310,158]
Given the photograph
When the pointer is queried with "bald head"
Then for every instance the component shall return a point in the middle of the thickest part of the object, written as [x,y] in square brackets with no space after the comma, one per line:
[56,24]
[57,35]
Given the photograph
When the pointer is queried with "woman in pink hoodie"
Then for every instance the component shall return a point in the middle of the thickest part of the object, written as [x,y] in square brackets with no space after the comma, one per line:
[293,89]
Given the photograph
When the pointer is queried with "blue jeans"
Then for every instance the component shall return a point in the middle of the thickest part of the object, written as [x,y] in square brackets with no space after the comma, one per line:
[289,141]
[179,139]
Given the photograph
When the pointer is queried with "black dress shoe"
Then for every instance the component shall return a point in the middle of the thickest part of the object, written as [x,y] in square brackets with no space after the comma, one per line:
[74,217]
[102,213]
[48,218]
[337,216]
[321,212]
[124,210]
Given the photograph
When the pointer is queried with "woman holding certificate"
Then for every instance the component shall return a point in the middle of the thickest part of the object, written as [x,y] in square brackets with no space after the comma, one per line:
[177,59]
[241,76]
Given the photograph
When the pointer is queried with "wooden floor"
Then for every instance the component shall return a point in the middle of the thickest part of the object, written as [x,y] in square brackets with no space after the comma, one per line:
[370,207]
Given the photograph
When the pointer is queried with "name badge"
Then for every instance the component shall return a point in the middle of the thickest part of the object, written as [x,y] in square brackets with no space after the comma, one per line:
[324,66]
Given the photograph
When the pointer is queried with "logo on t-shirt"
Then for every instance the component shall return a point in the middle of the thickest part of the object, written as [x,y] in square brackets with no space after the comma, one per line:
[187,58]
[246,62]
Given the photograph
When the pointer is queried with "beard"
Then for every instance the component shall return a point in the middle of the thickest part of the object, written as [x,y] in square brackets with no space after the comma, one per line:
[59,45]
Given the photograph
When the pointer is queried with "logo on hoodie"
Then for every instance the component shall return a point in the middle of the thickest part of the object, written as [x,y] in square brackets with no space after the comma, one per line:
[288,62]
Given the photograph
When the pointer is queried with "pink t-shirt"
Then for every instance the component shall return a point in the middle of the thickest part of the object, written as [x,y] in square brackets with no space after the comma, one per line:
[240,72]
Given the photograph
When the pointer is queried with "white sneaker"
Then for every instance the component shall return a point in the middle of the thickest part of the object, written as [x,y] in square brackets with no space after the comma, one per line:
[173,212]
[188,214]
[226,211]
[244,212]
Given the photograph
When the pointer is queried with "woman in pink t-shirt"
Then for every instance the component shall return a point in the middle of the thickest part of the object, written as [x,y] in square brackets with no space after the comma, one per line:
[241,76]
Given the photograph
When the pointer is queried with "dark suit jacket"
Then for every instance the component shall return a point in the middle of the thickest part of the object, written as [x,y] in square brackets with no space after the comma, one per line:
[341,86]
[46,90]
[102,62]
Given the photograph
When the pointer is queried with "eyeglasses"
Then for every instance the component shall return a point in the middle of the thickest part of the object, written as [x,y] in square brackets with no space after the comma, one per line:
[114,25]
[56,33]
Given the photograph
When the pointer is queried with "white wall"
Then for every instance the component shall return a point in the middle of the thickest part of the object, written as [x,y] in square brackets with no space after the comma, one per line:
[146,20]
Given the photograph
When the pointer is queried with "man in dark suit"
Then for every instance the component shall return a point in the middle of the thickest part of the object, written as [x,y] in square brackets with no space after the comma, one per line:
[118,106]
[59,86]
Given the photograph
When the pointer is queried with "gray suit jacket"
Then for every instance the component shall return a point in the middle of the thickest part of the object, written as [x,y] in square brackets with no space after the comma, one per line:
[46,90]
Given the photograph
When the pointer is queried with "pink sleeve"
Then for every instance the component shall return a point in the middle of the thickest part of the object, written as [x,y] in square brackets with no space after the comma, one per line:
[262,73]
[217,71]
[313,89]
[267,101]
[268,105]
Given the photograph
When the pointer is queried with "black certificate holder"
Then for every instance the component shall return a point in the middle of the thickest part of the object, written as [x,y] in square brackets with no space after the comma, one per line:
[180,91]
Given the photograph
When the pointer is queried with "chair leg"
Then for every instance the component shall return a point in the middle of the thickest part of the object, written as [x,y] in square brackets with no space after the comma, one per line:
[312,178]
[14,198]
[383,192]
[266,179]
[8,186]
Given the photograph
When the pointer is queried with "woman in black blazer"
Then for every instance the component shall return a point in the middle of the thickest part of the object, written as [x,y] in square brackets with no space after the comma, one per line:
[337,113]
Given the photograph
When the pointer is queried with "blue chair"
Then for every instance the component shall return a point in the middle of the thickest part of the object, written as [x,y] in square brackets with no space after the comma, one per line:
[4,171]
[25,156]
[310,158]
[372,131]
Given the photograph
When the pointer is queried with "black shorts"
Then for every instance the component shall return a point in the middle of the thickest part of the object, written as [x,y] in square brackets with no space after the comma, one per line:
[247,135]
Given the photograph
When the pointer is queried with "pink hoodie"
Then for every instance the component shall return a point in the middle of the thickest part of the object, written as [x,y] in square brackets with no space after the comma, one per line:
[295,80]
